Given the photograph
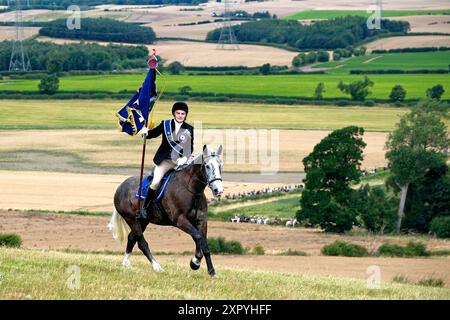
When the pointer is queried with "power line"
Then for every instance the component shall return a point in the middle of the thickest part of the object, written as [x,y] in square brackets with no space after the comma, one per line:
[227,39]
[19,58]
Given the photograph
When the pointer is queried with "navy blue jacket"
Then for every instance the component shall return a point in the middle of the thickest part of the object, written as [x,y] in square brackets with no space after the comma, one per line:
[165,150]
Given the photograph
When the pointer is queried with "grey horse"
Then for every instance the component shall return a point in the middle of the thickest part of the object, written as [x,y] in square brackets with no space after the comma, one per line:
[183,206]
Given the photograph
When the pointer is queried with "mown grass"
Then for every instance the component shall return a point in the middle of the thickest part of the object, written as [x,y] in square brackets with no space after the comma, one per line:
[275,85]
[330,14]
[100,114]
[28,274]
[397,61]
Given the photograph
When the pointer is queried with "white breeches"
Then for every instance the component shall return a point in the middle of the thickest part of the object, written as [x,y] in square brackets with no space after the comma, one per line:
[159,172]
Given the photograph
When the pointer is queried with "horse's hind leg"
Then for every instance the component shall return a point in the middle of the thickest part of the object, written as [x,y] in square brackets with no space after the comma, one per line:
[143,245]
[137,235]
[130,245]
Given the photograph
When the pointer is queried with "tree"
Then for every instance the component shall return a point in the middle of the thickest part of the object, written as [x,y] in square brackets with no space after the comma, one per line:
[105,65]
[55,64]
[375,208]
[330,170]
[320,89]
[175,67]
[435,92]
[311,57]
[428,199]
[358,90]
[298,60]
[416,145]
[323,56]
[265,69]
[398,93]
[49,84]
[185,89]
[359,51]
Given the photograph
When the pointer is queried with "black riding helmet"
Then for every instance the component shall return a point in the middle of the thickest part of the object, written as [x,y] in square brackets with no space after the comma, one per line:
[180,106]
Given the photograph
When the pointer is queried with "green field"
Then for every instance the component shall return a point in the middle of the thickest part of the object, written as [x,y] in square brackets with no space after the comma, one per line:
[275,85]
[284,208]
[397,61]
[33,274]
[330,14]
[99,114]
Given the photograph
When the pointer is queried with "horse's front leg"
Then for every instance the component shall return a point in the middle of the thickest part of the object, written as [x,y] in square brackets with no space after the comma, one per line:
[197,258]
[200,241]
[203,228]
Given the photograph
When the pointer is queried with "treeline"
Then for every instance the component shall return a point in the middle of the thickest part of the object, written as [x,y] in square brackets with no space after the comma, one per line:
[205,97]
[86,4]
[399,71]
[241,14]
[405,50]
[101,29]
[265,69]
[329,34]
[52,57]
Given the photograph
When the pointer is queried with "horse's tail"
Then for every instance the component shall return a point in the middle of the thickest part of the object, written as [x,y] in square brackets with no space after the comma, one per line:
[118,226]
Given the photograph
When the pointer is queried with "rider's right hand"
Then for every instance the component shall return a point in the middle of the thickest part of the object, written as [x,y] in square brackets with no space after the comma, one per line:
[144,132]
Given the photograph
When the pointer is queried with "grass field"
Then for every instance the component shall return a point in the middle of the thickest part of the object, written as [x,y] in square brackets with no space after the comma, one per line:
[275,85]
[32,274]
[99,114]
[397,61]
[284,208]
[330,14]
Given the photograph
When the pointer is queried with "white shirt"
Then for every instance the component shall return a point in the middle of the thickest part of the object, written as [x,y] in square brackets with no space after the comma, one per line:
[177,126]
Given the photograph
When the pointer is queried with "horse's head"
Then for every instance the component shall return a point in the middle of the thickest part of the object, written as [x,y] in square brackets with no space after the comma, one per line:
[212,169]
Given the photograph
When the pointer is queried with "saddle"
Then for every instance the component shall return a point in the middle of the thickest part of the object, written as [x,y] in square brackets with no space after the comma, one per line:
[146,182]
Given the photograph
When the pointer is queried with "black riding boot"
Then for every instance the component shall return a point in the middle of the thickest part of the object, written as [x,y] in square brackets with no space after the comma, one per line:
[148,199]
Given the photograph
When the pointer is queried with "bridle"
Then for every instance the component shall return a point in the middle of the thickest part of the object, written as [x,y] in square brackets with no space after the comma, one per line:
[204,181]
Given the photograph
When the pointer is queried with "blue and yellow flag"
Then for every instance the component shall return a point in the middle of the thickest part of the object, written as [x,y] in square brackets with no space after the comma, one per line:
[134,115]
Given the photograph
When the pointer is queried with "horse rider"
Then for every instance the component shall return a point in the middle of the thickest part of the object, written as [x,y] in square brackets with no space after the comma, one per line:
[176,146]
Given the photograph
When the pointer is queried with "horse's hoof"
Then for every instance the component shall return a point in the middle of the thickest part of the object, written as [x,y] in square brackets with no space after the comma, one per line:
[157,267]
[126,263]
[194,266]
[212,272]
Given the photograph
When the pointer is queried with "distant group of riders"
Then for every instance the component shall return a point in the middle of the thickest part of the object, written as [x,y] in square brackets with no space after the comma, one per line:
[268,190]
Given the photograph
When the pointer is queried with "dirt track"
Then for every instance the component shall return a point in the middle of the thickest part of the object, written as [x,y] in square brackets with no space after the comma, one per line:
[59,232]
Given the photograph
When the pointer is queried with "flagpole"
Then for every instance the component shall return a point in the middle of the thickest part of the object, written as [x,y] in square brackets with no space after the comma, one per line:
[152,63]
[142,171]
